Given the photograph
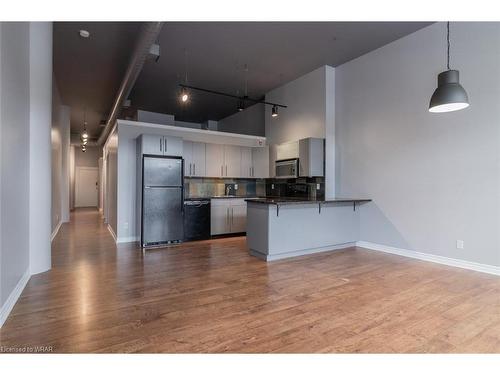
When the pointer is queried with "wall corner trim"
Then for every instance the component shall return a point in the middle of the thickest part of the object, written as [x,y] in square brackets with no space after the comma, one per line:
[479,267]
[56,230]
[13,297]
[112,232]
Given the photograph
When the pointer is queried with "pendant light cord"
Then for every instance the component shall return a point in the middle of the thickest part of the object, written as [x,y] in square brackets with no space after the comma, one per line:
[448,41]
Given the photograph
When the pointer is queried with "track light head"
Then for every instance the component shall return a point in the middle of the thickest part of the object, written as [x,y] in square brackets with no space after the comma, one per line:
[274,111]
[184,95]
[241,105]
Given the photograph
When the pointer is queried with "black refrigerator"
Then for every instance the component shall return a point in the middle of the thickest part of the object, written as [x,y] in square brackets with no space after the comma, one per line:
[162,201]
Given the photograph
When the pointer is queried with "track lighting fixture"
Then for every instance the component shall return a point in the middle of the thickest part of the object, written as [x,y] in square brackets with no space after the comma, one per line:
[245,99]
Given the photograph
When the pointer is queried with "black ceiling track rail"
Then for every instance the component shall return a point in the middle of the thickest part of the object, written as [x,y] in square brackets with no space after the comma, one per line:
[245,98]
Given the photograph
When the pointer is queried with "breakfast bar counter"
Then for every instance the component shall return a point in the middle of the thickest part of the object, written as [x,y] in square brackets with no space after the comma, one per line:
[280,228]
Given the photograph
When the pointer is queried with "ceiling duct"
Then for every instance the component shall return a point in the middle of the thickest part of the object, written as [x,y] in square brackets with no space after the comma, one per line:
[149,35]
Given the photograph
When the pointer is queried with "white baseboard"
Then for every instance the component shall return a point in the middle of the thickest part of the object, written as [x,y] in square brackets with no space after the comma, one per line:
[271,257]
[56,230]
[485,268]
[127,239]
[112,232]
[13,297]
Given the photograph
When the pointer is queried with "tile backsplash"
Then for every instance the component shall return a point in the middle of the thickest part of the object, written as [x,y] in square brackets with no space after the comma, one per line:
[209,187]
[310,188]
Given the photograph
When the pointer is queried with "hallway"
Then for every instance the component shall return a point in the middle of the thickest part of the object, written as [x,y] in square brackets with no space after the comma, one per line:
[211,296]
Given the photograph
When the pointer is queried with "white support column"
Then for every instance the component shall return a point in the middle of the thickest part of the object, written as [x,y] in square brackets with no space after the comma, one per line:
[330,133]
[40,109]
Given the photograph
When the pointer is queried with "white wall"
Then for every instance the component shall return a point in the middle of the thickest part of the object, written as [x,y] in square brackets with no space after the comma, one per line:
[15,158]
[56,158]
[61,150]
[434,178]
[310,113]
[249,121]
[40,107]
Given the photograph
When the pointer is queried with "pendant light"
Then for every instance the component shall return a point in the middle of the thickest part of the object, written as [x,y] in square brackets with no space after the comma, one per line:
[84,135]
[274,111]
[449,95]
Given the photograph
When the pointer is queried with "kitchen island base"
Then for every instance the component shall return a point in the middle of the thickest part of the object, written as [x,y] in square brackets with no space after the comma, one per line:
[278,231]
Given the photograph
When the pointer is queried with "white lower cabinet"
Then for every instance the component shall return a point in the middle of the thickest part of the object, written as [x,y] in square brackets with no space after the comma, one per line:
[228,216]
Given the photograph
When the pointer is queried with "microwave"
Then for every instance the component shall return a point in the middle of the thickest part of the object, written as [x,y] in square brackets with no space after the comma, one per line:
[288,168]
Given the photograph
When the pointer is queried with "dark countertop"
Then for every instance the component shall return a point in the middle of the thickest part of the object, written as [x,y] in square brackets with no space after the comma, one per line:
[288,201]
[222,197]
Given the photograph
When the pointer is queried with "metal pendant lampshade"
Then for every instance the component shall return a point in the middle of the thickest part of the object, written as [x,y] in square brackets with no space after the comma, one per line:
[449,95]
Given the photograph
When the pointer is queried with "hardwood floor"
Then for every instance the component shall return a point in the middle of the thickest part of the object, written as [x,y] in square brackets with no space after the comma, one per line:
[211,296]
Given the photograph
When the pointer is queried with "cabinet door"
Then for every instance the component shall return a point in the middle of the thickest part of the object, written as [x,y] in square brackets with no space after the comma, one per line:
[214,160]
[232,161]
[289,150]
[260,162]
[238,218]
[172,146]
[246,162]
[187,154]
[219,219]
[152,144]
[199,159]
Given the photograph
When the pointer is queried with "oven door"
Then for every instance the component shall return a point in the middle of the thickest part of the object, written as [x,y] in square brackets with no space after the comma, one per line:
[287,168]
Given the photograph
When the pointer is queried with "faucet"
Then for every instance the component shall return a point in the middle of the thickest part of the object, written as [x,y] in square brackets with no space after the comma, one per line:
[228,189]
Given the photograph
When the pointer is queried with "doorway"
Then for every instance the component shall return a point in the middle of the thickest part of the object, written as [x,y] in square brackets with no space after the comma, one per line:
[86,186]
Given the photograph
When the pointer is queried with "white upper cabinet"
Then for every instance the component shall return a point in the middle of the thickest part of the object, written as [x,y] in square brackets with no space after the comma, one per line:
[194,159]
[152,144]
[246,162]
[199,159]
[289,150]
[312,157]
[232,161]
[214,160]
[160,145]
[260,162]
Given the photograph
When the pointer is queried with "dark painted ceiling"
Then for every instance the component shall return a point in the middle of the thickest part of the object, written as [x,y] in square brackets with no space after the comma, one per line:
[89,71]
[274,52]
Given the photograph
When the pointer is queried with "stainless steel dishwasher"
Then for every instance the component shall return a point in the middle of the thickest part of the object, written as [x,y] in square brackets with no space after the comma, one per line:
[196,219]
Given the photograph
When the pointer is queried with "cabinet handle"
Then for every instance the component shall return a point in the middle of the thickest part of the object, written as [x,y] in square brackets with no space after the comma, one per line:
[221,170]
[226,170]
[227,219]
[161,144]
[232,216]
[190,169]
[194,169]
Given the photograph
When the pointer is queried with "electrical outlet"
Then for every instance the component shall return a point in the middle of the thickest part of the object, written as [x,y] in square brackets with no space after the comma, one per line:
[318,186]
[235,186]
[460,244]
[272,186]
